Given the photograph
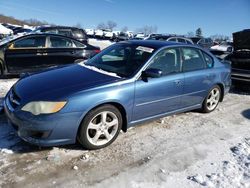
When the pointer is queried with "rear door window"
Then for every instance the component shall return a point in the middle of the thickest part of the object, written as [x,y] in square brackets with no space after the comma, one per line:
[192,59]
[59,42]
[209,60]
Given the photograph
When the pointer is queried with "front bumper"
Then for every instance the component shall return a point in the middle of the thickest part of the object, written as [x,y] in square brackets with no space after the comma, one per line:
[44,130]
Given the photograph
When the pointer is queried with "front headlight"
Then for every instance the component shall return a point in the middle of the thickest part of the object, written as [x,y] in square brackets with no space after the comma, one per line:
[43,107]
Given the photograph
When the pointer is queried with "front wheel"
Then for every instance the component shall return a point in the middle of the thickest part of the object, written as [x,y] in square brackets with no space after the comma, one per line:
[212,100]
[100,127]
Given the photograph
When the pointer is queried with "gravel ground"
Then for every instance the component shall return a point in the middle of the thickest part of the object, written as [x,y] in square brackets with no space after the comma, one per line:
[185,150]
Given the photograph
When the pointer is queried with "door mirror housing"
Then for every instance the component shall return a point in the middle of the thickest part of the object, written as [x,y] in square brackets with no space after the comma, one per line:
[152,73]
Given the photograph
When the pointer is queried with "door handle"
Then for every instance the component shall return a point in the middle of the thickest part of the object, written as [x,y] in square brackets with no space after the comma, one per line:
[177,82]
[73,52]
[208,76]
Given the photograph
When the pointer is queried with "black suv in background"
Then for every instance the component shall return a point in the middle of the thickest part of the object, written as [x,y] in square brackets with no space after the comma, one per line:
[76,33]
[240,58]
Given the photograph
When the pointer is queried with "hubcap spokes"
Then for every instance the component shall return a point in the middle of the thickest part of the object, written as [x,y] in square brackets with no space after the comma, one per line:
[213,99]
[102,128]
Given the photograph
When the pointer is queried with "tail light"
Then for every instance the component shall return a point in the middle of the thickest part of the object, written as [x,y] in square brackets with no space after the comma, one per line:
[97,51]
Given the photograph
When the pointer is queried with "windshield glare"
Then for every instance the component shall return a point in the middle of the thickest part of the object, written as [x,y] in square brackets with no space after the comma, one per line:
[122,59]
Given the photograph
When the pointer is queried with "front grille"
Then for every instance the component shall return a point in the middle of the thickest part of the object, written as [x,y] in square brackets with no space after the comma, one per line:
[14,99]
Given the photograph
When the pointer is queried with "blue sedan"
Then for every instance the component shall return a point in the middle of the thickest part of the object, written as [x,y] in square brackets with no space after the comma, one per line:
[126,84]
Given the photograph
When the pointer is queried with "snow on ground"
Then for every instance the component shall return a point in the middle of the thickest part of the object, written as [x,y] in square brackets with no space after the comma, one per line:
[186,150]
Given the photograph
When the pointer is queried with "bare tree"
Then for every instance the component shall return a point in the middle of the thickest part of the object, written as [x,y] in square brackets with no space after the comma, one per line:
[148,29]
[111,25]
[124,29]
[101,25]
[78,25]
[190,34]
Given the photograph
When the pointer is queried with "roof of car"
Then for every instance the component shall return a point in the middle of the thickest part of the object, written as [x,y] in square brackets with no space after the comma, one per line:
[45,34]
[57,27]
[154,43]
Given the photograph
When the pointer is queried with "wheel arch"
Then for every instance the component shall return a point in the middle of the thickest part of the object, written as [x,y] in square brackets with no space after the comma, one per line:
[117,105]
[222,91]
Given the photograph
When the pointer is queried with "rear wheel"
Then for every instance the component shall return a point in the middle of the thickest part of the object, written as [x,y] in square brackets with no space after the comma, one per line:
[212,100]
[100,127]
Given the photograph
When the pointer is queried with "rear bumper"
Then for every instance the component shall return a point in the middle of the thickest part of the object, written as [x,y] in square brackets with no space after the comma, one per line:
[44,130]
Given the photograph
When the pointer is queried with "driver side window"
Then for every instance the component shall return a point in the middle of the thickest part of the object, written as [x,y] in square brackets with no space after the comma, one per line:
[168,61]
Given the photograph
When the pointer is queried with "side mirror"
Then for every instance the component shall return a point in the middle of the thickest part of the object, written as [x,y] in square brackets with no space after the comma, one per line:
[152,73]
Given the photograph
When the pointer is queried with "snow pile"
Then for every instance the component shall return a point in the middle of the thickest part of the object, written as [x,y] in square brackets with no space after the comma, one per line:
[233,173]
[101,44]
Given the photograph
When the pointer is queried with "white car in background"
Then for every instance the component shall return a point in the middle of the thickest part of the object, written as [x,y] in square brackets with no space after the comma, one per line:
[90,32]
[99,33]
[5,31]
[108,34]
[224,46]
[130,34]
[140,36]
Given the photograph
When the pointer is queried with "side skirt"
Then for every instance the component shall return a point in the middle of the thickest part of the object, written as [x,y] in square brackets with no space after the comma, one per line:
[151,118]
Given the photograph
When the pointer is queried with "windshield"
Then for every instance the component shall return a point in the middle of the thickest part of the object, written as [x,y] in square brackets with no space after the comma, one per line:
[122,59]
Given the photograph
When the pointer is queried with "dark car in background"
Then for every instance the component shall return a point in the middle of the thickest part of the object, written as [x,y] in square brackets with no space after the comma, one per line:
[35,52]
[240,58]
[122,37]
[203,42]
[76,33]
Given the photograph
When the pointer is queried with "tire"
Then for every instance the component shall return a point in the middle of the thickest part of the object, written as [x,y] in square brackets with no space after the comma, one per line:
[212,100]
[100,127]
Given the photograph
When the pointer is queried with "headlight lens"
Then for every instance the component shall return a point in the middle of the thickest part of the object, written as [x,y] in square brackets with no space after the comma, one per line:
[44,107]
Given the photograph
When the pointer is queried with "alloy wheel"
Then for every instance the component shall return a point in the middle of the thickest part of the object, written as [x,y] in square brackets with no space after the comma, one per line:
[102,128]
[213,99]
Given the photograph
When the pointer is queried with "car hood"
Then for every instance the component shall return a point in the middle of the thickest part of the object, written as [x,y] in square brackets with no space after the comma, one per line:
[59,84]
